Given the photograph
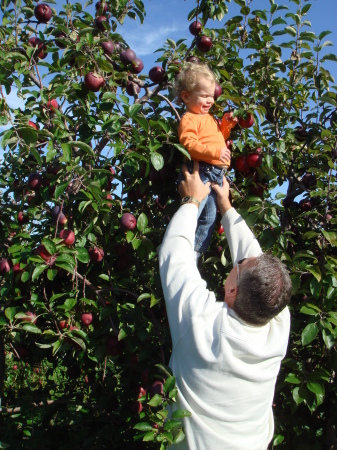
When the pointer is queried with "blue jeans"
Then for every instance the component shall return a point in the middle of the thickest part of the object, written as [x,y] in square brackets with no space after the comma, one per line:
[208,208]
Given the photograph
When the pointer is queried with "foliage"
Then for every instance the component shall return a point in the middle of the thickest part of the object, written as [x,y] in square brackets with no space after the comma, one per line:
[69,385]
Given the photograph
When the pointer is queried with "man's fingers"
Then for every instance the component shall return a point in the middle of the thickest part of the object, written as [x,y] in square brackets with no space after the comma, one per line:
[196,166]
[184,170]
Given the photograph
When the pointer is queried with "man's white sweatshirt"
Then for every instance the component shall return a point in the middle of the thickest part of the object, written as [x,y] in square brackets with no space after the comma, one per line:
[225,369]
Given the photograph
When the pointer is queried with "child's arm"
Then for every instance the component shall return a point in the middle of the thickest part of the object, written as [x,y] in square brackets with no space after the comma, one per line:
[227,123]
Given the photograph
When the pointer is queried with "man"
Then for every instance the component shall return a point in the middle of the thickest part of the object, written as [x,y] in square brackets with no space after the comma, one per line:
[226,355]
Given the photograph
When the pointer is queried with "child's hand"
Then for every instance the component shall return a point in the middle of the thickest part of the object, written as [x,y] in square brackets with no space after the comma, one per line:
[225,155]
[229,118]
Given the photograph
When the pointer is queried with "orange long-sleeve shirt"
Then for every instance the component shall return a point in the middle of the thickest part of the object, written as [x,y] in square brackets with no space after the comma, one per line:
[203,137]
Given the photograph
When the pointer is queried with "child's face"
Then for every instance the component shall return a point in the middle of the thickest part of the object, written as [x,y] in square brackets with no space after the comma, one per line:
[200,100]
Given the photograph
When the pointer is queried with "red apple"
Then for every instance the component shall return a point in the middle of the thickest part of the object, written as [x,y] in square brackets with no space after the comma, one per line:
[57,215]
[34,41]
[96,254]
[136,407]
[68,237]
[309,180]
[156,74]
[99,22]
[132,88]
[30,317]
[59,43]
[5,266]
[93,82]
[195,28]
[254,160]
[63,324]
[137,65]
[328,217]
[100,4]
[217,91]
[220,230]
[41,251]
[157,387]
[247,122]
[52,105]
[86,318]
[140,391]
[108,47]
[127,56]
[204,44]
[241,164]
[300,134]
[34,181]
[305,204]
[109,197]
[15,367]
[22,218]
[128,221]
[16,268]
[33,125]
[257,189]
[43,12]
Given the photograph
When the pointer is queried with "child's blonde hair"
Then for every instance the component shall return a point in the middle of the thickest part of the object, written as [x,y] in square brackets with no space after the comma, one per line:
[188,78]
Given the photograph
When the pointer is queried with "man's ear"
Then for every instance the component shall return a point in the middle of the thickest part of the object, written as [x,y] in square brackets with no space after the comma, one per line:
[230,295]
[184,96]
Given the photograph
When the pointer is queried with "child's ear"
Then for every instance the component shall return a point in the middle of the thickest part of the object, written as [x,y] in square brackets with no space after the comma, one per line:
[184,96]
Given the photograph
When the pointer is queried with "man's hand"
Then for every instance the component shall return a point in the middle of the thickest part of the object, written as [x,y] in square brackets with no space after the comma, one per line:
[222,196]
[192,184]
[225,155]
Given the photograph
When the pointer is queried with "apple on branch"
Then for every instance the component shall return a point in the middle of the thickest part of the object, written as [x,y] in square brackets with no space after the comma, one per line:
[204,44]
[40,53]
[195,28]
[43,12]
[68,237]
[101,22]
[128,221]
[247,121]
[34,181]
[108,47]
[156,74]
[5,266]
[93,82]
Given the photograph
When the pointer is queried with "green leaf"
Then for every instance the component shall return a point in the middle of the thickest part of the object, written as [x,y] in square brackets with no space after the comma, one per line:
[179,437]
[142,222]
[297,396]
[305,8]
[143,426]
[309,311]
[149,436]
[82,146]
[180,413]
[157,160]
[31,328]
[60,189]
[38,270]
[171,425]
[10,313]
[169,384]
[309,333]
[292,378]
[66,149]
[183,150]
[331,236]
[50,246]
[156,400]
[316,388]
[82,254]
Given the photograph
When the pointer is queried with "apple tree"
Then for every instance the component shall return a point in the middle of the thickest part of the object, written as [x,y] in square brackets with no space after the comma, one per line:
[88,183]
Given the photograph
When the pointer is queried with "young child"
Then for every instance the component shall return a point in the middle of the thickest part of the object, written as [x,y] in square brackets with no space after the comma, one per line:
[202,136]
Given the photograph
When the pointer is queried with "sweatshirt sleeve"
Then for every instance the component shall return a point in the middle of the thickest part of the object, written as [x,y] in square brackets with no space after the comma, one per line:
[242,243]
[184,290]
[188,137]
